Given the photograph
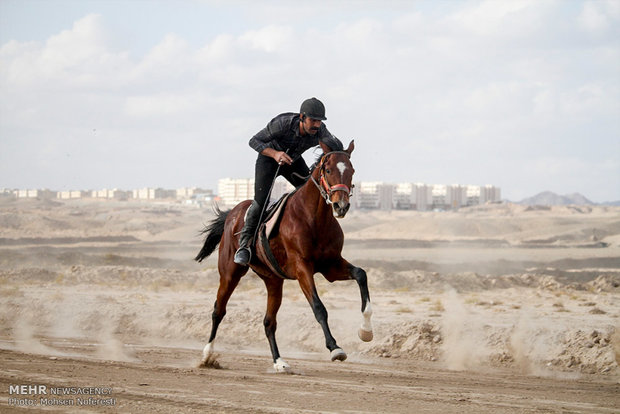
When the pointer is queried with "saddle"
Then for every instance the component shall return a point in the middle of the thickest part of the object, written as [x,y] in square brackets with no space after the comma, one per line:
[267,230]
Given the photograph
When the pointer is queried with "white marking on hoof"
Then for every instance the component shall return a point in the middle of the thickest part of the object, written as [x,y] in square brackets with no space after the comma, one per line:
[365,331]
[281,366]
[207,351]
[338,354]
[209,357]
[365,336]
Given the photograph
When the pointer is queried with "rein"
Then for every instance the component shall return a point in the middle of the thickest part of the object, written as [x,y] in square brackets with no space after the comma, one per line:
[324,188]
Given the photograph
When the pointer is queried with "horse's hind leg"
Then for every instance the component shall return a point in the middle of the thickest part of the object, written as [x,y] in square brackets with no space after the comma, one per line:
[274,300]
[229,279]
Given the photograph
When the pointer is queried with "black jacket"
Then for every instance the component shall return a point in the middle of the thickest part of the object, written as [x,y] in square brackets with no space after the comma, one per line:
[282,133]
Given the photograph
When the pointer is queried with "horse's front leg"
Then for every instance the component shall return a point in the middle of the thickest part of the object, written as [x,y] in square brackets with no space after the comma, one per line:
[365,331]
[343,270]
[306,282]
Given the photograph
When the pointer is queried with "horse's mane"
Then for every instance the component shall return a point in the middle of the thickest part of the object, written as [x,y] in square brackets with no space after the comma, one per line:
[334,145]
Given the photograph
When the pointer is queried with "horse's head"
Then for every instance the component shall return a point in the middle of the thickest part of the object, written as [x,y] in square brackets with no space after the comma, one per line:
[335,177]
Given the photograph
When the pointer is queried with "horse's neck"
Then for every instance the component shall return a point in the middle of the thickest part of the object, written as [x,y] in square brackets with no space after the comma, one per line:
[311,200]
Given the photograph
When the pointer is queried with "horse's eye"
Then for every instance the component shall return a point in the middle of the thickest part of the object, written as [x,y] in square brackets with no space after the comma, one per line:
[328,171]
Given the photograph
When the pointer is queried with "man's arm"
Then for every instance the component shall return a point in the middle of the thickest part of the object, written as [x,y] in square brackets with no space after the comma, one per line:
[279,156]
[262,142]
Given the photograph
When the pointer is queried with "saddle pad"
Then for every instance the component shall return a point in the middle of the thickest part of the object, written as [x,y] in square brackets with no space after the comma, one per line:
[269,229]
[273,217]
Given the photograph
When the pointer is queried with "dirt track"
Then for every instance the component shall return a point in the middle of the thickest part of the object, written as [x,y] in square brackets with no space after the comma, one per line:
[470,316]
[166,382]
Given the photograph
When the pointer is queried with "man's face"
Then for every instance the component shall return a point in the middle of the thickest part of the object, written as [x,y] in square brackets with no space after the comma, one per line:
[311,126]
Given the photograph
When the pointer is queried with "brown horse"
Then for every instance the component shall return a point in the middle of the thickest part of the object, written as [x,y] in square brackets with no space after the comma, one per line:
[309,240]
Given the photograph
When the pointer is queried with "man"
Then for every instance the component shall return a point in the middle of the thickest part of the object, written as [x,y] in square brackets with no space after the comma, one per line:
[281,143]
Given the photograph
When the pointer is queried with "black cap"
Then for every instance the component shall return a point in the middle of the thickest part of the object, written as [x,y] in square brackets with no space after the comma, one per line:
[313,108]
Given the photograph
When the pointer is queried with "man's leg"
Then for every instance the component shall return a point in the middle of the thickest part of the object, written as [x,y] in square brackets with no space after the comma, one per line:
[243,255]
[265,171]
[297,173]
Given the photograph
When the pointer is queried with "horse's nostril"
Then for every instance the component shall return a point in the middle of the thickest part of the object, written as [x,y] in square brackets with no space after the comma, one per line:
[342,207]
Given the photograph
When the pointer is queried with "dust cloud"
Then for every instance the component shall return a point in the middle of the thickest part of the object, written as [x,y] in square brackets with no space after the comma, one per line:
[494,287]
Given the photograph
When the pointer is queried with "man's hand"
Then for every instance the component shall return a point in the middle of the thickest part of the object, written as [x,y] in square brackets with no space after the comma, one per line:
[281,157]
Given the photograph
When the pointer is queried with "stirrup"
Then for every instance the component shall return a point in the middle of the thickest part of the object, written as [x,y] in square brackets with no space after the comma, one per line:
[243,255]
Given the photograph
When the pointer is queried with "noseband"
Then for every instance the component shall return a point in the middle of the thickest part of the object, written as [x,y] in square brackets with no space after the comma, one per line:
[324,188]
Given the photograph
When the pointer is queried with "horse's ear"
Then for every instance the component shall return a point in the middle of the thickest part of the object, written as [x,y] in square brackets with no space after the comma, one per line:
[351,147]
[324,147]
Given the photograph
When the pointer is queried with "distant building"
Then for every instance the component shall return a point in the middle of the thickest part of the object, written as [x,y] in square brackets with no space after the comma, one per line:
[188,193]
[197,196]
[404,196]
[368,195]
[481,195]
[440,197]
[153,193]
[373,195]
[280,187]
[72,194]
[457,196]
[35,194]
[490,194]
[113,194]
[423,196]
[232,191]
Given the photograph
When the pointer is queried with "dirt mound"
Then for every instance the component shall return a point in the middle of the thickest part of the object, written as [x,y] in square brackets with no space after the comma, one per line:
[471,282]
[464,344]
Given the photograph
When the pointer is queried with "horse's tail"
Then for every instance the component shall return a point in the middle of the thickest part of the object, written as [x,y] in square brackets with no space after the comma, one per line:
[213,232]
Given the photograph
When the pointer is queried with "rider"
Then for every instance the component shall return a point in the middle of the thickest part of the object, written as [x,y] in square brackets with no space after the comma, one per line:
[281,143]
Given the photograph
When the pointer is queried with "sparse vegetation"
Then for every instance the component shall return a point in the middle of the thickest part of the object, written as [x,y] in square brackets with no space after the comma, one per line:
[437,306]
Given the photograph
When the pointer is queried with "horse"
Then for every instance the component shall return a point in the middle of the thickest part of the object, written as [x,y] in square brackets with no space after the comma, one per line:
[309,240]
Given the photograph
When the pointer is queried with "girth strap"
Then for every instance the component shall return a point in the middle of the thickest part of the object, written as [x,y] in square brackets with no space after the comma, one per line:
[271,262]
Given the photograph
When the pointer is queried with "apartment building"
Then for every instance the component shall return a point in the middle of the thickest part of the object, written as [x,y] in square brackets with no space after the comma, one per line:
[72,194]
[367,195]
[420,196]
[113,194]
[232,191]
[34,193]
[152,193]
[373,195]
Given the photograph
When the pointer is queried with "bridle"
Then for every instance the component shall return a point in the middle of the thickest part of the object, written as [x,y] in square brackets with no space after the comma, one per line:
[324,188]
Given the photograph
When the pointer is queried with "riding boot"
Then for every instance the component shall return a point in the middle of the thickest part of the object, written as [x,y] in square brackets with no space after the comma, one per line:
[243,255]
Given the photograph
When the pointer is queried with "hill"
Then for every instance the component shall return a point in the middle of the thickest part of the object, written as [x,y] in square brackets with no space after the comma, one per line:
[548,198]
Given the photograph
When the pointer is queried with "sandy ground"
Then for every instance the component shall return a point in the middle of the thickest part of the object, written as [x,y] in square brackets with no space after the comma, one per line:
[499,308]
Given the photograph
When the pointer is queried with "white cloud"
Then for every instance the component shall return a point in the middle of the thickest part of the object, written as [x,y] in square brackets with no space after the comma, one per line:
[268,39]
[493,17]
[159,105]
[83,44]
[593,19]
[437,96]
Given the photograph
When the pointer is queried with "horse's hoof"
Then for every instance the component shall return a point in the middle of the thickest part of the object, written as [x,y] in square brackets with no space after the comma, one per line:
[210,362]
[338,355]
[364,335]
[281,366]
[207,351]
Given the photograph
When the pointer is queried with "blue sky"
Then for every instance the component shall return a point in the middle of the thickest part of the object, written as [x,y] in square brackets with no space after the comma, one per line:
[524,95]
